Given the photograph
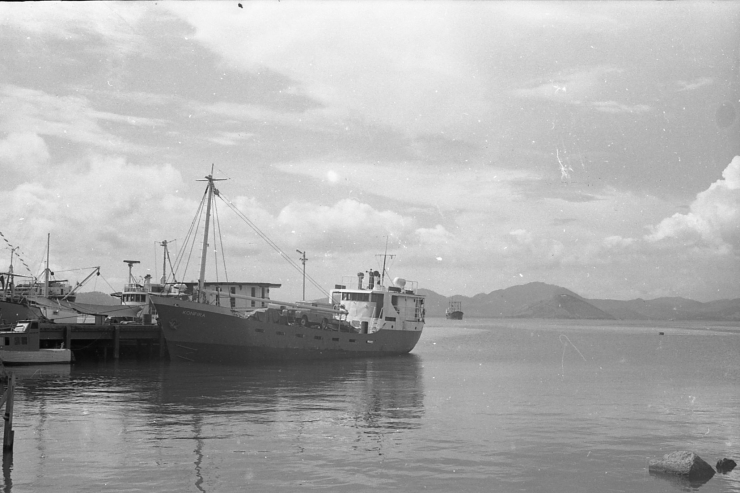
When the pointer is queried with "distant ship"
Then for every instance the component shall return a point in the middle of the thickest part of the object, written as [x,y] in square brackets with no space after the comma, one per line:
[454,311]
[237,322]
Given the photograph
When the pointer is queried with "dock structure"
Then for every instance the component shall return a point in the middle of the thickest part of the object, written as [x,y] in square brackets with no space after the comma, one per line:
[105,337]
[7,390]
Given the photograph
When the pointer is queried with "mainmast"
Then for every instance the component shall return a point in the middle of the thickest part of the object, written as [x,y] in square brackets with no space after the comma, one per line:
[46,272]
[164,262]
[201,279]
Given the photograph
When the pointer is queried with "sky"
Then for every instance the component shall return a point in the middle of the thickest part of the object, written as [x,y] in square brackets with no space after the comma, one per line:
[590,145]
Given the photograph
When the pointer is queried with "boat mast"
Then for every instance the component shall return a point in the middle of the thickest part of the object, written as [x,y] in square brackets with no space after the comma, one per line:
[164,262]
[46,271]
[11,285]
[202,277]
[303,261]
[385,256]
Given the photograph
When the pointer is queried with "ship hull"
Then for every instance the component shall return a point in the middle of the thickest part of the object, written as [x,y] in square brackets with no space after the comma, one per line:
[37,357]
[12,312]
[454,315]
[213,334]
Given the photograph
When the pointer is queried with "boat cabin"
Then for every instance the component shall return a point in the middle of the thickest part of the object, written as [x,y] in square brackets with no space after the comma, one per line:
[24,336]
[372,307]
[236,295]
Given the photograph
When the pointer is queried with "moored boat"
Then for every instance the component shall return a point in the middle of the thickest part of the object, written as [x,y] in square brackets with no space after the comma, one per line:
[136,293]
[20,345]
[454,311]
[50,299]
[220,325]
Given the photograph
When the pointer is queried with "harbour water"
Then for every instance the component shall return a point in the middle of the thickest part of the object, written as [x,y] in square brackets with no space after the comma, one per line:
[479,405]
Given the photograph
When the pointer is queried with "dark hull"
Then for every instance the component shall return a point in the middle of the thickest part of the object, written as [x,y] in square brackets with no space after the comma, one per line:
[205,333]
[454,315]
[12,312]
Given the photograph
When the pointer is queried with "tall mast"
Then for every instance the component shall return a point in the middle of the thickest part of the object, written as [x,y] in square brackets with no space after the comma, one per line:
[303,261]
[46,272]
[202,277]
[164,262]
[10,285]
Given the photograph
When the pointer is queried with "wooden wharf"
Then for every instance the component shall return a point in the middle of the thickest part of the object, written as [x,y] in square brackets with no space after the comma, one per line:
[105,337]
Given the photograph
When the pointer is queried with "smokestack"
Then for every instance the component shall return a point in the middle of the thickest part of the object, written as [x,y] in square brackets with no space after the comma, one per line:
[360,275]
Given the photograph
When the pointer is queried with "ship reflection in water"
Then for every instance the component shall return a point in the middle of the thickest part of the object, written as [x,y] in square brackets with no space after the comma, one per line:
[179,427]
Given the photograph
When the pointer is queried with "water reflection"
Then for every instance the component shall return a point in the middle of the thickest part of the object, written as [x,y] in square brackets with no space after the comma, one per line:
[214,418]
[376,393]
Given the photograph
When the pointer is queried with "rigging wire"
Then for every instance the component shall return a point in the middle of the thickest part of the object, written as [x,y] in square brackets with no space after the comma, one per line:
[271,243]
[215,245]
[193,227]
[220,238]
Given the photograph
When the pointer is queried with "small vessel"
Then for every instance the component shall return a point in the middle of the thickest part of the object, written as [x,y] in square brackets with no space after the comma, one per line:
[454,311]
[221,323]
[136,293]
[20,345]
[53,300]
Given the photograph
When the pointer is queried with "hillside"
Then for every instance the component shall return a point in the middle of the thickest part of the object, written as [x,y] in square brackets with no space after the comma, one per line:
[540,300]
[97,298]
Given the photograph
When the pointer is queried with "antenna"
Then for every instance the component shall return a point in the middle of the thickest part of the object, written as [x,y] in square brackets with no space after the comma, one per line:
[131,263]
[303,261]
[385,255]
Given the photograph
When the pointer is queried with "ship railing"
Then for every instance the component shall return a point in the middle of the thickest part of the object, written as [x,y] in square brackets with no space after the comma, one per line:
[134,288]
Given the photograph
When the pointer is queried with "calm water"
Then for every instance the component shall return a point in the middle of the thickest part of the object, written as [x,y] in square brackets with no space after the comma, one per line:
[480,405]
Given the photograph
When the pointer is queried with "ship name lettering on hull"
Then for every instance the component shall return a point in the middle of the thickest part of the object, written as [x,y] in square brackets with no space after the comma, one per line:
[193,314]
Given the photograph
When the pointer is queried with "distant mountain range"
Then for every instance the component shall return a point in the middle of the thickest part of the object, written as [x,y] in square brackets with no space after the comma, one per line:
[540,300]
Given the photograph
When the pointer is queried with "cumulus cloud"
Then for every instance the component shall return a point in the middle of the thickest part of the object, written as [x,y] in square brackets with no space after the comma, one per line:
[109,209]
[713,219]
[346,224]
[21,155]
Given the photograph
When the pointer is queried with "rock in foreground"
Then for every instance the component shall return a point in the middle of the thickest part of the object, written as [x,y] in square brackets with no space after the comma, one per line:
[725,465]
[686,464]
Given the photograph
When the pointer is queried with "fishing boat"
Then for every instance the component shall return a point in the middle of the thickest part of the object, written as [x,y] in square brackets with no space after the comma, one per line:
[221,323]
[454,311]
[51,299]
[136,292]
[20,345]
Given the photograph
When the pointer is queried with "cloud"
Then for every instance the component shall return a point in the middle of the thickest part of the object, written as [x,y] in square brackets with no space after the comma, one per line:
[72,118]
[21,155]
[474,187]
[614,107]
[346,224]
[107,209]
[713,219]
[574,88]
[682,85]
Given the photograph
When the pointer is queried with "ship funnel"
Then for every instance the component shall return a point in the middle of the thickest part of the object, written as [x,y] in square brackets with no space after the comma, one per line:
[371,280]
[399,282]
[360,275]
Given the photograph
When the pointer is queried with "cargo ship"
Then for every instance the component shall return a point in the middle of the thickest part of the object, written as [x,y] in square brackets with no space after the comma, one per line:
[454,311]
[238,322]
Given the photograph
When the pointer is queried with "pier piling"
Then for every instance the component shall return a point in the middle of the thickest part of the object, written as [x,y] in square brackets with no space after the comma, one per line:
[7,401]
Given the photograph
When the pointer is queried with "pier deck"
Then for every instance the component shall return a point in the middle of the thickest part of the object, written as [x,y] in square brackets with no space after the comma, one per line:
[104,337]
